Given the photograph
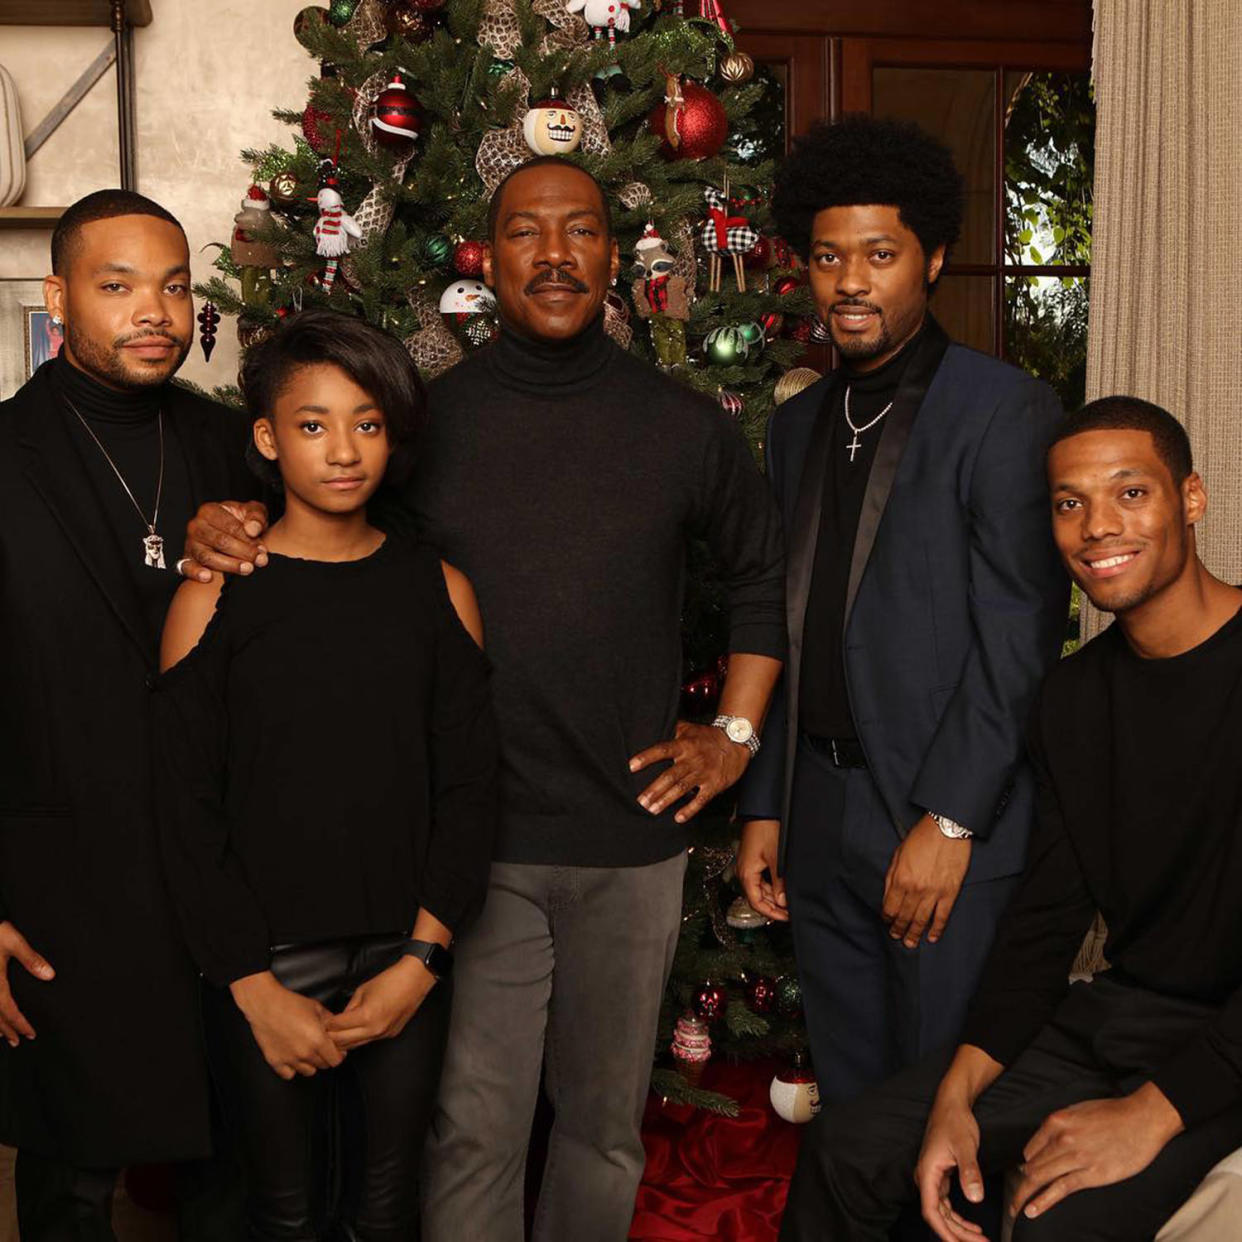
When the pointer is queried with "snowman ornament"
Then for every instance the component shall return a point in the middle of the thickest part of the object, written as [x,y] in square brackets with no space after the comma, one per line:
[464,298]
[606,18]
[334,231]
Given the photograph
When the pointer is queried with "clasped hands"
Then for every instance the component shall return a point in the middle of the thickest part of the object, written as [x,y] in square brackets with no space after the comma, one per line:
[298,1035]
[1093,1143]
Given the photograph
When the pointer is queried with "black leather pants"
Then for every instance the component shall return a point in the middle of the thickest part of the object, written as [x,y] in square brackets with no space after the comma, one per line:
[336,1155]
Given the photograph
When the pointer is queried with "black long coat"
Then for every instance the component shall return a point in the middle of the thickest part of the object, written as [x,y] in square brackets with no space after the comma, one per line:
[116,1074]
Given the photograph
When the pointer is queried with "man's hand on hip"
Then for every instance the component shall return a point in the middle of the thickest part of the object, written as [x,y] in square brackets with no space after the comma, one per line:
[923,882]
[759,853]
[703,759]
[13,947]
[1095,1143]
[224,536]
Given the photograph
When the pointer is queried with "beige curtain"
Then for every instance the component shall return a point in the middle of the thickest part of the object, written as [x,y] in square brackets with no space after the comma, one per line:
[1166,271]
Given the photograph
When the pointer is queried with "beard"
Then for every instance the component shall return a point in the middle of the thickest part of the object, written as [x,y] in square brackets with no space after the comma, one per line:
[108,363]
[890,337]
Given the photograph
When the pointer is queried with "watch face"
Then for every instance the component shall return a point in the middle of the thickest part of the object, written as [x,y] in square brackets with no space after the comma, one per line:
[739,730]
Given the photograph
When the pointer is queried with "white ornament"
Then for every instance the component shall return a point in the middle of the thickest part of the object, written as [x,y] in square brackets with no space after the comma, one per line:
[552,127]
[335,227]
[605,17]
[797,1102]
[466,297]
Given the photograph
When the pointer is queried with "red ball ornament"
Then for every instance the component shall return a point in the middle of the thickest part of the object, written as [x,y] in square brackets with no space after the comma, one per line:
[772,323]
[760,254]
[317,129]
[801,332]
[786,284]
[695,128]
[709,1001]
[761,995]
[397,117]
[468,258]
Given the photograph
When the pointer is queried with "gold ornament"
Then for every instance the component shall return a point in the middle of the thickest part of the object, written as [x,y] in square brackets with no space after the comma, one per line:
[283,189]
[737,67]
[793,382]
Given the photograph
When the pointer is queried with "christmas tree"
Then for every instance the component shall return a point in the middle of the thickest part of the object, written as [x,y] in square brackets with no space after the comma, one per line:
[379,209]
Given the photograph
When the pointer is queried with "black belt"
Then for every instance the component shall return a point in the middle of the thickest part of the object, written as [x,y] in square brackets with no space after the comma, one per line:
[841,752]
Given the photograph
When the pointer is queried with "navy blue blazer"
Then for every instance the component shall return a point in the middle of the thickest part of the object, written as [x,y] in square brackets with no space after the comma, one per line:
[957,599]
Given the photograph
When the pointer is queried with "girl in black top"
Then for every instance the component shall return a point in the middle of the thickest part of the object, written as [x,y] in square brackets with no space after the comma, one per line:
[329,800]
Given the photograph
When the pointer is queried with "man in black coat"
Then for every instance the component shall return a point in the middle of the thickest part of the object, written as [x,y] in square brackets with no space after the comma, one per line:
[924,601]
[102,461]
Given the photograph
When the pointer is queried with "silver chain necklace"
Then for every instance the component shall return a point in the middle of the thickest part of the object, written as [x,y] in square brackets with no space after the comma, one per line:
[152,544]
[855,444]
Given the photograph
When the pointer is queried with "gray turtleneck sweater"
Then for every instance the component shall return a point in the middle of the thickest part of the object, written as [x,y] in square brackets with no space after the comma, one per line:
[565,481]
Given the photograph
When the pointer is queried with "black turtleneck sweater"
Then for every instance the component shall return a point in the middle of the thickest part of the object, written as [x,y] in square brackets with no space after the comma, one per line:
[127,424]
[823,697]
[565,481]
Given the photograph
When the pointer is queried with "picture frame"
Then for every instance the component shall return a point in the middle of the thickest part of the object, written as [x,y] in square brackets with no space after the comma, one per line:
[27,336]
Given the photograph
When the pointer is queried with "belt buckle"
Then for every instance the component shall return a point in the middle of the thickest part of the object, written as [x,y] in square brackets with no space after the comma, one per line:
[836,761]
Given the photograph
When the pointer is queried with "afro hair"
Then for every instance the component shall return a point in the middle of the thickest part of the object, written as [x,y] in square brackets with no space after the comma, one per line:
[861,159]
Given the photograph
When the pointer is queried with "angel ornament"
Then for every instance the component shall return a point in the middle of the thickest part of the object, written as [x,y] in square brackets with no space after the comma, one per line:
[724,234]
[661,297]
[605,17]
[333,232]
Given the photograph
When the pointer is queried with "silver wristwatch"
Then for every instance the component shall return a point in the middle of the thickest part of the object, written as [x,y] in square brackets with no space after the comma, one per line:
[951,828]
[738,729]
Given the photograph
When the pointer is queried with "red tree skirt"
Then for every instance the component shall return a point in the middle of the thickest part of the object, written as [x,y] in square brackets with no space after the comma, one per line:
[716,1177]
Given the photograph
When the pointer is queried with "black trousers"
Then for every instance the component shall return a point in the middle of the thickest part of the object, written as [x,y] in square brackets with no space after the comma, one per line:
[336,1155]
[873,1006]
[59,1202]
[855,1169]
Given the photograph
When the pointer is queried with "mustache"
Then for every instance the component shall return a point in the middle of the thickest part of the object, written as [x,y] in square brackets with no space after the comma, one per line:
[556,276]
[157,335]
[860,303]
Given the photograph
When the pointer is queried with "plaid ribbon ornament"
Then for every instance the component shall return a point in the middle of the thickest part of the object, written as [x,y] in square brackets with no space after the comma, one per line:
[655,288]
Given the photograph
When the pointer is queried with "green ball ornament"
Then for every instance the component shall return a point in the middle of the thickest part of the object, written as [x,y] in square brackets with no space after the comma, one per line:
[789,996]
[340,11]
[726,346]
[437,249]
[754,336]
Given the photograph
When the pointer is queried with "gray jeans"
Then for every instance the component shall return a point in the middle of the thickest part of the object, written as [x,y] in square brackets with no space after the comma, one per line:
[567,964]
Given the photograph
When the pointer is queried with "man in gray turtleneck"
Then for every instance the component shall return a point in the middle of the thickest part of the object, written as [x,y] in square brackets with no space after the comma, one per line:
[564,476]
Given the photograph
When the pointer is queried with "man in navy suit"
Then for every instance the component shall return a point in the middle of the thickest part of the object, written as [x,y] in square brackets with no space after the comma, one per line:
[889,809]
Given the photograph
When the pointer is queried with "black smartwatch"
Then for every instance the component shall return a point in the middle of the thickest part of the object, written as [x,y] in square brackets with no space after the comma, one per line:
[434,956]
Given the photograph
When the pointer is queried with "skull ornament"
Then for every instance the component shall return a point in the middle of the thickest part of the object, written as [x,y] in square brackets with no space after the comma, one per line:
[552,127]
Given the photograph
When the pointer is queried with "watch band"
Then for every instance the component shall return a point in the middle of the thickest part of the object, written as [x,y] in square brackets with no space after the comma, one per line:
[435,957]
[738,730]
[951,828]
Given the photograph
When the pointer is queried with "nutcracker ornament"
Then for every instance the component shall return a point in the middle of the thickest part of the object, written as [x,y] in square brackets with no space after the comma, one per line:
[333,231]
[724,234]
[794,1092]
[661,297]
[552,127]
[255,258]
[607,18]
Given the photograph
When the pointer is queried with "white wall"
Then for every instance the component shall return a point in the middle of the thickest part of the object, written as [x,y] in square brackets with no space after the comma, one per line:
[208,76]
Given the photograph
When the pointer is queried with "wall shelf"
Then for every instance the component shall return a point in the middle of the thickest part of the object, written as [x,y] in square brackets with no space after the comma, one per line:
[30,217]
[71,13]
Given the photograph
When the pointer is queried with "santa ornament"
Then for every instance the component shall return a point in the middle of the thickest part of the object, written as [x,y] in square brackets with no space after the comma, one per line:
[661,297]
[333,231]
[552,127]
[396,118]
[607,18]
[724,234]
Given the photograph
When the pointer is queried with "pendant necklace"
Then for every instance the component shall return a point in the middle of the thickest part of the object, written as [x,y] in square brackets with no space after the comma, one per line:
[855,444]
[152,544]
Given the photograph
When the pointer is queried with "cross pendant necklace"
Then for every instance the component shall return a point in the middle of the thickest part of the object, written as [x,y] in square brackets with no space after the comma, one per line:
[152,544]
[855,444]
